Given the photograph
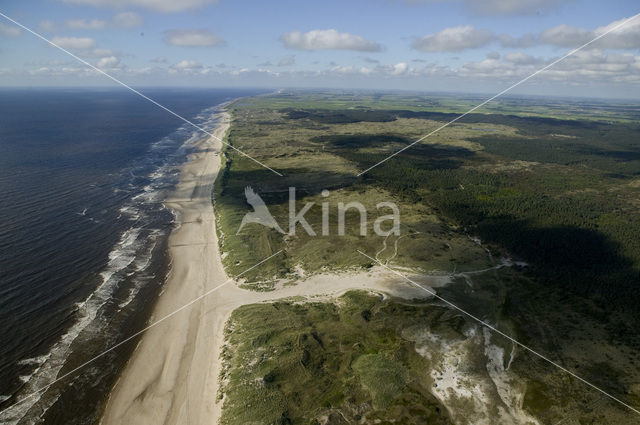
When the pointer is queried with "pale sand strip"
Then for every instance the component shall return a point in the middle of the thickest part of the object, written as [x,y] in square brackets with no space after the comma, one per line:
[172,376]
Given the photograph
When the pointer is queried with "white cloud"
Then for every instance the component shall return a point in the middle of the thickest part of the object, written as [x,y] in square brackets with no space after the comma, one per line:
[9,30]
[165,6]
[624,37]
[159,59]
[74,42]
[366,71]
[454,39]
[189,67]
[522,59]
[187,64]
[98,53]
[86,24]
[490,68]
[288,61]
[108,62]
[566,36]
[240,71]
[127,20]
[193,38]
[466,37]
[582,68]
[330,39]
[400,68]
[342,69]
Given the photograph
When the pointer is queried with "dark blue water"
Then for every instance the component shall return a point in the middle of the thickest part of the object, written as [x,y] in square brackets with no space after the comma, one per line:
[83,234]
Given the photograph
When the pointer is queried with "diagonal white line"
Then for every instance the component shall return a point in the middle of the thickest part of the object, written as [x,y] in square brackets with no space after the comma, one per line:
[503,92]
[129,338]
[137,92]
[483,323]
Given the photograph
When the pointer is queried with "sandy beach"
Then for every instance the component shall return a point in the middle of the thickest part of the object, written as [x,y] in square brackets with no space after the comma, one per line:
[172,376]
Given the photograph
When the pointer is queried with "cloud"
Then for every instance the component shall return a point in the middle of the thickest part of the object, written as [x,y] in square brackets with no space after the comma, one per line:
[46,26]
[159,59]
[240,71]
[342,69]
[187,64]
[98,53]
[583,67]
[366,71]
[624,37]
[193,38]
[466,37]
[266,63]
[566,36]
[9,30]
[522,59]
[400,68]
[74,42]
[119,20]
[330,39]
[514,7]
[288,61]
[108,62]
[189,67]
[86,24]
[164,6]
[502,7]
[595,65]
[454,39]
[127,20]
[523,41]
[370,60]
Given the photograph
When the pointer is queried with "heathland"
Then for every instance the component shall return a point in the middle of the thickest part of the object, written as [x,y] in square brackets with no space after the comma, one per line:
[529,210]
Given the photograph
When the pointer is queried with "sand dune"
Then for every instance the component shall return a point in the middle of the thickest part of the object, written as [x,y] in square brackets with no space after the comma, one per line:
[172,377]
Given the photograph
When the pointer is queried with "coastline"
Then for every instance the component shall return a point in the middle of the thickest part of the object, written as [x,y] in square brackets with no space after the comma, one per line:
[172,377]
[151,388]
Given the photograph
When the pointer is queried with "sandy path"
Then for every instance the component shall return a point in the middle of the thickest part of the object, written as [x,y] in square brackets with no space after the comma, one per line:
[172,376]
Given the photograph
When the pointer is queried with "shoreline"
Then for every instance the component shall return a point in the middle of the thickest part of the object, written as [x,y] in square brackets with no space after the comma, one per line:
[150,387]
[172,376]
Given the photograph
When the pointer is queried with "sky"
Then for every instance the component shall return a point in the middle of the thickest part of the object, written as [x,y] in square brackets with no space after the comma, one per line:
[479,46]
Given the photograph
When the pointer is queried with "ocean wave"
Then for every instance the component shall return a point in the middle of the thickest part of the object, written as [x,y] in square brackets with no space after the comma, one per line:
[142,262]
[128,258]
[120,258]
[34,360]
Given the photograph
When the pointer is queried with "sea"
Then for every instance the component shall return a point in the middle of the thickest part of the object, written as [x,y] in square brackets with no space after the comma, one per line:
[83,236]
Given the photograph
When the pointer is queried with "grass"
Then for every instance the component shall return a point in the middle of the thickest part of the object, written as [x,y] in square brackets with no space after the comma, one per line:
[309,155]
[555,184]
[300,363]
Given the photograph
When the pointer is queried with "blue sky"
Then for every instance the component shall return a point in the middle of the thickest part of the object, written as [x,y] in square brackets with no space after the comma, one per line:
[430,45]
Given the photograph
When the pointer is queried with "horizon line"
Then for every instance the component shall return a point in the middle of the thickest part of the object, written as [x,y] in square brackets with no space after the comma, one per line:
[317,88]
